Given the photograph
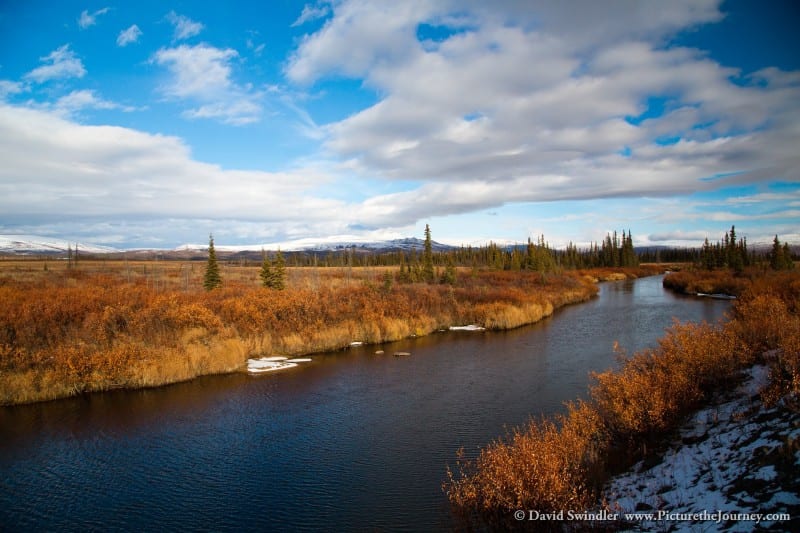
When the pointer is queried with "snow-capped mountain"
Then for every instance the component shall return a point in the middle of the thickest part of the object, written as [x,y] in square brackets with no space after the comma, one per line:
[35,244]
[316,245]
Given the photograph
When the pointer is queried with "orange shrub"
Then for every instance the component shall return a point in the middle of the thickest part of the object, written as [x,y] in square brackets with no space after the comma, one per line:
[548,466]
[78,330]
[654,388]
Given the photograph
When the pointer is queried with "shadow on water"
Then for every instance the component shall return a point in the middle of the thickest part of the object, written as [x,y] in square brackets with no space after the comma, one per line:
[352,440]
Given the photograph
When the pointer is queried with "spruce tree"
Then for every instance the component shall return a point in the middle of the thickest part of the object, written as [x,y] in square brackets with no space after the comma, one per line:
[427,257]
[780,258]
[279,272]
[788,262]
[405,274]
[266,271]
[212,279]
[449,277]
[708,255]
[733,252]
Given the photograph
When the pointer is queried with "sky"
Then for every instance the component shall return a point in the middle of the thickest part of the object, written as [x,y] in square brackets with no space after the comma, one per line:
[156,123]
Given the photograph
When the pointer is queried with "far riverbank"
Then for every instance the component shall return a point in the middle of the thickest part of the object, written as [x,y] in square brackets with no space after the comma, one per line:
[66,332]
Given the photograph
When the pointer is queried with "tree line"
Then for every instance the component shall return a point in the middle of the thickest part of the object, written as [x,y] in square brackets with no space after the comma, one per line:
[427,266]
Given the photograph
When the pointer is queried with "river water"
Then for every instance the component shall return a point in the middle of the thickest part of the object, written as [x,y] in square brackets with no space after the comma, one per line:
[350,441]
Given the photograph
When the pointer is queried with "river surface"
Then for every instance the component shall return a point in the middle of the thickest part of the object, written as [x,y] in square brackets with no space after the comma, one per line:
[350,441]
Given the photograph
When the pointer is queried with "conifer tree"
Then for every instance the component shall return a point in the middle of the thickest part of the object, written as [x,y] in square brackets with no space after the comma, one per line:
[449,276]
[629,258]
[780,258]
[427,257]
[266,273]
[405,271]
[733,252]
[708,255]
[387,282]
[788,263]
[212,279]
[279,272]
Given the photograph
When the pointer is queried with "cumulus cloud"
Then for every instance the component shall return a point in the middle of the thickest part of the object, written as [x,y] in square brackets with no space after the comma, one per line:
[86,19]
[203,74]
[535,101]
[52,165]
[61,63]
[184,26]
[131,35]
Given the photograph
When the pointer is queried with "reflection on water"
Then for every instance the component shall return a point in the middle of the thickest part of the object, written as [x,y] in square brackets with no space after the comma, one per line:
[352,440]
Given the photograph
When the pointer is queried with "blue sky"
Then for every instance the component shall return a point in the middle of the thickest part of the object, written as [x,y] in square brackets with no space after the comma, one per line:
[151,124]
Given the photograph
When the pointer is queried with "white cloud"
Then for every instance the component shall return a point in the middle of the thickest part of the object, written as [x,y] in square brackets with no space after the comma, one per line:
[61,63]
[310,13]
[52,165]
[765,197]
[8,87]
[531,101]
[86,20]
[360,34]
[236,112]
[724,216]
[131,35]
[202,74]
[76,101]
[184,26]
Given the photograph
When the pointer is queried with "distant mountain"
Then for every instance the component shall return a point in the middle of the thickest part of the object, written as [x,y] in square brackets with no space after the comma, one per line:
[39,245]
[35,245]
[394,245]
[310,245]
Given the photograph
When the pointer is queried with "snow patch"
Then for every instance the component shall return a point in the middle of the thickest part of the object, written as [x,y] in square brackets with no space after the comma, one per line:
[470,327]
[724,460]
[271,364]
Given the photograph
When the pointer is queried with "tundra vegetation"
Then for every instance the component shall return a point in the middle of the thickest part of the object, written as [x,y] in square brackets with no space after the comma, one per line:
[562,463]
[67,329]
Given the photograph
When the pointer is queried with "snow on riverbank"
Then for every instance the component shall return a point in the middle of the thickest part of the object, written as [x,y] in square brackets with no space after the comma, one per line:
[271,364]
[733,457]
[470,327]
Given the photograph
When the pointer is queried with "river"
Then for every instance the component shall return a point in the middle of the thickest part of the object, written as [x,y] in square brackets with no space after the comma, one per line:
[350,441]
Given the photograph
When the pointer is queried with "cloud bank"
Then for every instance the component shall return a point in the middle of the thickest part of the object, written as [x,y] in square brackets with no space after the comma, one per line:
[529,101]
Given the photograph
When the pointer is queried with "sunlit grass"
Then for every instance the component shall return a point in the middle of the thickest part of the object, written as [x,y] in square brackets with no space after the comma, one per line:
[109,324]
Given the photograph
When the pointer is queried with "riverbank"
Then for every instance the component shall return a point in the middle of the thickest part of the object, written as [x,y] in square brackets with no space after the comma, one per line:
[721,282]
[108,326]
[733,464]
[564,464]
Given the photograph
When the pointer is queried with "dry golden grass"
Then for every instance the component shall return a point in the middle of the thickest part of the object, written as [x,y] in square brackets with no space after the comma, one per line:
[123,324]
